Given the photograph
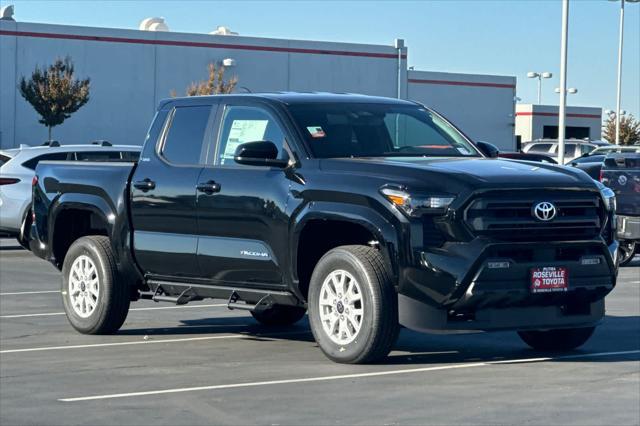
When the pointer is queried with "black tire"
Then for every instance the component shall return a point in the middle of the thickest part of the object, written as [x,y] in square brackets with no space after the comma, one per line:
[279,315]
[112,301]
[378,301]
[562,339]
[25,230]
[627,251]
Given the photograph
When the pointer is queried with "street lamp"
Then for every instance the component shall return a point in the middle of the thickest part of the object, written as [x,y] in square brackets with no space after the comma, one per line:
[619,85]
[570,90]
[562,109]
[539,76]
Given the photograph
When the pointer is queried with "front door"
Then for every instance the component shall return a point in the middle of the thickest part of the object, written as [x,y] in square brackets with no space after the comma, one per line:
[163,199]
[241,219]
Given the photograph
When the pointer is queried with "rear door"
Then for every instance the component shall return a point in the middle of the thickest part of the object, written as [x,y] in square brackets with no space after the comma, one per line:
[163,192]
[242,224]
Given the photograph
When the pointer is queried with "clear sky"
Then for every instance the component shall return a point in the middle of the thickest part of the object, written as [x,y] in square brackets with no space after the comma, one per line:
[507,37]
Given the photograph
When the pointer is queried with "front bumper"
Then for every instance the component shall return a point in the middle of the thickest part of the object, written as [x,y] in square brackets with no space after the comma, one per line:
[628,227]
[483,285]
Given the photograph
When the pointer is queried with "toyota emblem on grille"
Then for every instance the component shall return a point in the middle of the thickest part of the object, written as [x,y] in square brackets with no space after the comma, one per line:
[544,211]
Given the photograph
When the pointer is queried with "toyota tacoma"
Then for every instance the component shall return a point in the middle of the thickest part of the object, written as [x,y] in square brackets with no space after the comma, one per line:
[370,213]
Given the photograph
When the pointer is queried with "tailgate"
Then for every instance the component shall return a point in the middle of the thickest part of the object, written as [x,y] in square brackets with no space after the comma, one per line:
[621,173]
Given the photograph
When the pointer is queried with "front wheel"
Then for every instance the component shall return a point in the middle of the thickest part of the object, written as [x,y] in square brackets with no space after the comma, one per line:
[95,297]
[353,305]
[626,251]
[562,339]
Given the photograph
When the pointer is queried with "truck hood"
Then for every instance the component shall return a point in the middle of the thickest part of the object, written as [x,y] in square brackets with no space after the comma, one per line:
[473,172]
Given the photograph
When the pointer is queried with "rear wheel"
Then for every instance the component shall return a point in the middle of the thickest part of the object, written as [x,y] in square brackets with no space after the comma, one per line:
[95,297]
[626,251]
[562,339]
[353,306]
[279,315]
[25,229]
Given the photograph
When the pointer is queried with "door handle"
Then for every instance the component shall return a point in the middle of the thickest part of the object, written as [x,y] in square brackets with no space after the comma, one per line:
[208,187]
[145,185]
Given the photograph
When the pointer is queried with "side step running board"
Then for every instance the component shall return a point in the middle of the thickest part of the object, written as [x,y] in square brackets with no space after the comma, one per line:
[183,298]
[262,305]
[242,298]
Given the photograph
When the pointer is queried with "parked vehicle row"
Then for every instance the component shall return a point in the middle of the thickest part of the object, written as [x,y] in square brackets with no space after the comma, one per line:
[573,148]
[17,169]
[370,213]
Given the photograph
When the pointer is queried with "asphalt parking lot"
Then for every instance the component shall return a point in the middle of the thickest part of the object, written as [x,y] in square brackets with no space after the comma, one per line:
[203,364]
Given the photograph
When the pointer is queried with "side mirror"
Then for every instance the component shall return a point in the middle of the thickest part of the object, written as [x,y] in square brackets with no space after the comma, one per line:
[488,149]
[259,153]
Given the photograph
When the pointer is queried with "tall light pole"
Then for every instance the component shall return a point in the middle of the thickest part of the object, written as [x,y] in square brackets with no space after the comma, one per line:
[619,84]
[539,76]
[563,80]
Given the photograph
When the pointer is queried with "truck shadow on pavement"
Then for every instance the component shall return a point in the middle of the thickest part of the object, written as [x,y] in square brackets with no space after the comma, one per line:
[615,334]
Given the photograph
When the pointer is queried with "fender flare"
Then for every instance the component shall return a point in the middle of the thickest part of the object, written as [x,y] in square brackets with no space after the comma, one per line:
[382,228]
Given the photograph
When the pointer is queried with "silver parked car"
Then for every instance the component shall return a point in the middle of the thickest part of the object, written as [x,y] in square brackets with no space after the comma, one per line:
[17,169]
[573,148]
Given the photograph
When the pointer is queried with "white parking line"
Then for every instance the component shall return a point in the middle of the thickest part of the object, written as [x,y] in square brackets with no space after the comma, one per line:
[48,314]
[340,377]
[17,293]
[148,342]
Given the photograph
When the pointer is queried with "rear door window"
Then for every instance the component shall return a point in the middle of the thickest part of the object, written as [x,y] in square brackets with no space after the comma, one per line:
[184,141]
[585,149]
[130,155]
[569,150]
[98,156]
[4,159]
[53,156]
[540,147]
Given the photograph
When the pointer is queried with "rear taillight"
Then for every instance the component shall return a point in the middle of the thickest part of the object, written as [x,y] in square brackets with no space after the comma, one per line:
[601,175]
[8,181]
[34,181]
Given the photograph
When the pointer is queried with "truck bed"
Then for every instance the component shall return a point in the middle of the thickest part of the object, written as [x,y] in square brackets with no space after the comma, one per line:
[64,184]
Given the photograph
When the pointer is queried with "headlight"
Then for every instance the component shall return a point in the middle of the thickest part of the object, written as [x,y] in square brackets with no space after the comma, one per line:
[608,196]
[416,205]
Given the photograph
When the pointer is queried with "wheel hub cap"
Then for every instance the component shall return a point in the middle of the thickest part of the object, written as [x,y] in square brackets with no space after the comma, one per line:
[341,307]
[84,286]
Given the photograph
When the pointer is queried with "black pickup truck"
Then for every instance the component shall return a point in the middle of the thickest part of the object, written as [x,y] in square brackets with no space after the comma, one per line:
[621,172]
[370,213]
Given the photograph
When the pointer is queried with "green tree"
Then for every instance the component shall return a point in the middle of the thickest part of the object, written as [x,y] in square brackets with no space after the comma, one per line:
[54,92]
[214,85]
[629,130]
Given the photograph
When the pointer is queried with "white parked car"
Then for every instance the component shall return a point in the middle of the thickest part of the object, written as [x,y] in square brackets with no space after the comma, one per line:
[573,148]
[17,169]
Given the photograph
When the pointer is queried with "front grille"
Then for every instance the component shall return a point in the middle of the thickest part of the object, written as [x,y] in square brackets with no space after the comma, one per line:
[508,215]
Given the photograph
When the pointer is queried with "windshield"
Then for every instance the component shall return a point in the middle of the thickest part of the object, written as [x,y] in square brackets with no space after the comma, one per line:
[378,130]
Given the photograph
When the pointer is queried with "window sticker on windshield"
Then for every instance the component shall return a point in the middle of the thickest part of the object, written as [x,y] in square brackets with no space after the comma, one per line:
[316,131]
[464,151]
[244,131]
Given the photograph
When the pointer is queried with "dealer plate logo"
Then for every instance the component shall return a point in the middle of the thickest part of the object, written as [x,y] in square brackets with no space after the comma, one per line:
[544,211]
[622,180]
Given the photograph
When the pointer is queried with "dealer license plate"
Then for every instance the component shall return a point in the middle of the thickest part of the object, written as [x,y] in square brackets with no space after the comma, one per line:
[549,279]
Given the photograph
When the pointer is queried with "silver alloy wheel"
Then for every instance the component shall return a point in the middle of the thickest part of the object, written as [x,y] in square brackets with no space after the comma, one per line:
[84,286]
[341,307]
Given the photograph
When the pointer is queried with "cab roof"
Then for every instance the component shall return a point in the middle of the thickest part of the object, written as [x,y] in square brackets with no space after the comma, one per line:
[291,98]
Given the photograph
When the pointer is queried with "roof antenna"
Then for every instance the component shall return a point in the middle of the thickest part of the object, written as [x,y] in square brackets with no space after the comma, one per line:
[246,89]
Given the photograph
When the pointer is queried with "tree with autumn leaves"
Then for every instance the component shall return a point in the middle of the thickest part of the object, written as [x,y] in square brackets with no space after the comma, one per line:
[629,130]
[54,92]
[214,85]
